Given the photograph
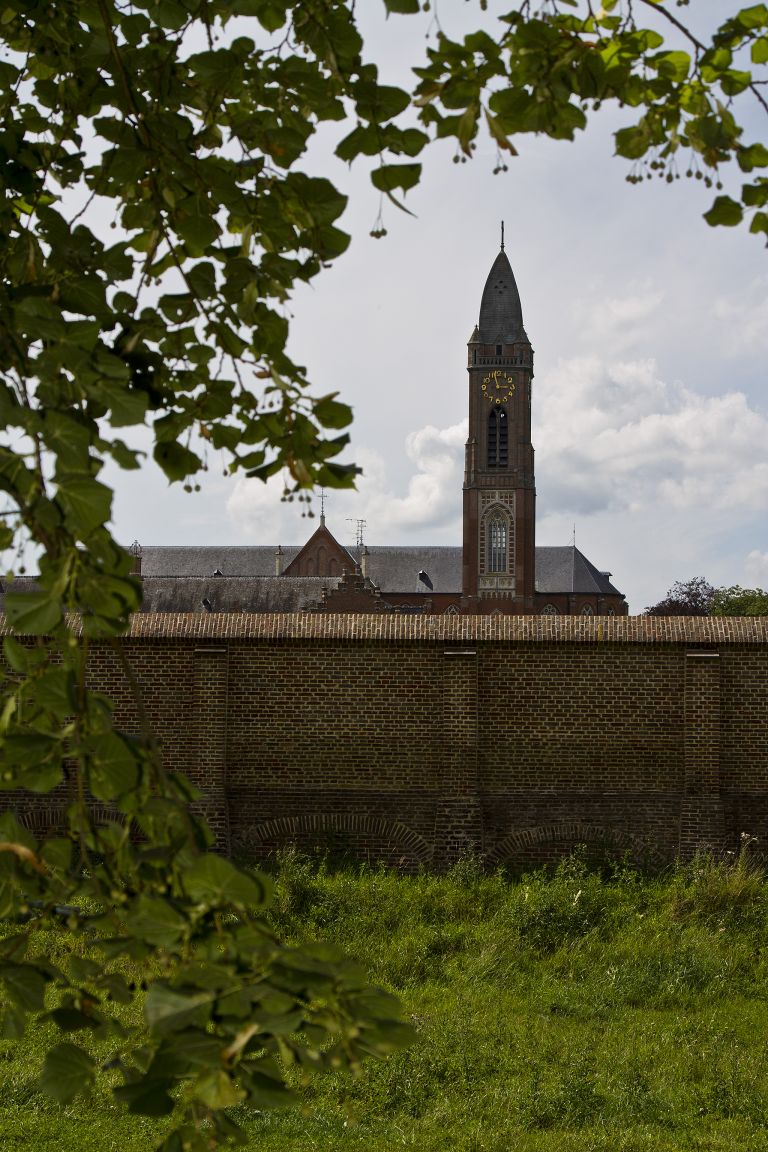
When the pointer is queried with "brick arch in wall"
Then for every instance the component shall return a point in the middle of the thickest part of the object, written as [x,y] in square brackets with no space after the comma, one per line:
[43,819]
[517,844]
[324,826]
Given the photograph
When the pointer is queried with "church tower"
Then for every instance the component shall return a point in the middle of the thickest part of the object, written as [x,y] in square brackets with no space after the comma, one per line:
[499,486]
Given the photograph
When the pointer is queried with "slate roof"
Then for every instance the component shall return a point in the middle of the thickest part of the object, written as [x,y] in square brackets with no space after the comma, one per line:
[568,570]
[501,314]
[161,560]
[391,568]
[394,569]
[178,579]
[235,593]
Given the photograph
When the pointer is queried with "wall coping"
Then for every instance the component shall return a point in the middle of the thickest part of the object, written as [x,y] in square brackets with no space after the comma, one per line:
[463,630]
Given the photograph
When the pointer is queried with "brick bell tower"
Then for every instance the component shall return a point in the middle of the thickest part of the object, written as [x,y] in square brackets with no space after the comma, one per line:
[499,486]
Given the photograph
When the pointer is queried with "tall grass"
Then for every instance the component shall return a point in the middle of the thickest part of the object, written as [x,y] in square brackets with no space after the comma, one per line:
[570,1011]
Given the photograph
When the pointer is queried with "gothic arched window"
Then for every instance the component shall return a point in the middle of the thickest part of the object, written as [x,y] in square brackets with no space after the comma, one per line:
[549,610]
[497,538]
[587,611]
[498,438]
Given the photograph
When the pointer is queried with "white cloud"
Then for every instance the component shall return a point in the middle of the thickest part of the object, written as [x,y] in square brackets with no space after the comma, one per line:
[618,321]
[615,436]
[431,504]
[746,314]
[756,568]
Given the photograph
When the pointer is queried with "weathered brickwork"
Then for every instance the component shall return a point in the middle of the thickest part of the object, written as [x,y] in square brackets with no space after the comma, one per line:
[414,740]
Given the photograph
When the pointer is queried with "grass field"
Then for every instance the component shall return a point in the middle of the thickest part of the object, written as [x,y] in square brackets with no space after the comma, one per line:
[572,1012]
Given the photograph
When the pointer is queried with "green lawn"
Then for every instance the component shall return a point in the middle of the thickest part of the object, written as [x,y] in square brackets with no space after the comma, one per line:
[569,1013]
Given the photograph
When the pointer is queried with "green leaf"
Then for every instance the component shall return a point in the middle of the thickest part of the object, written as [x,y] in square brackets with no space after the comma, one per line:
[167,1010]
[187,1138]
[392,176]
[632,142]
[265,1091]
[156,921]
[198,230]
[176,461]
[82,970]
[379,102]
[24,984]
[755,156]
[217,1090]
[671,65]
[73,1019]
[87,503]
[406,7]
[113,768]
[759,51]
[756,16]
[16,654]
[184,1051]
[55,690]
[33,613]
[127,405]
[13,1022]
[724,211]
[755,195]
[28,748]
[331,413]
[271,14]
[68,1070]
[14,833]
[57,854]
[214,880]
[146,1097]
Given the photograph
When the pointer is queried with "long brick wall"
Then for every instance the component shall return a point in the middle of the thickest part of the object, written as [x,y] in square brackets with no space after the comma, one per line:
[415,739]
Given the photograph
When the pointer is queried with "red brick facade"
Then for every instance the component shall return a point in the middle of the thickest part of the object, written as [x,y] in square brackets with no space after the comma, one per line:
[414,739]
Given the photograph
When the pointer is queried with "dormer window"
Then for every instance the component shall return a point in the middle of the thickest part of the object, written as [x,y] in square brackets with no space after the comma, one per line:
[498,349]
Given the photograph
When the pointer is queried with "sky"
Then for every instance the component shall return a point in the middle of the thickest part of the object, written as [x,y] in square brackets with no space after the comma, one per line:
[650,331]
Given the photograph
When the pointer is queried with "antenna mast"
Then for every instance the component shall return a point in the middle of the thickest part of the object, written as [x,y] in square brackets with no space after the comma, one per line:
[359,531]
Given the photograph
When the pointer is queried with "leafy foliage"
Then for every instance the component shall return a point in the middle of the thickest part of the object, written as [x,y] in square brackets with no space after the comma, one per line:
[698,598]
[685,598]
[738,601]
[184,124]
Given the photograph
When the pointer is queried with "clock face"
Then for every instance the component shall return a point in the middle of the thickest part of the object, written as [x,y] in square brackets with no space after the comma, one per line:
[498,388]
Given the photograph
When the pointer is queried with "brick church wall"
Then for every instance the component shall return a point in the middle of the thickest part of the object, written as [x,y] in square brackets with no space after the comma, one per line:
[414,739]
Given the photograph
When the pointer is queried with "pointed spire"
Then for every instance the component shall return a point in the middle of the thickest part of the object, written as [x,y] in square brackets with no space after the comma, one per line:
[501,314]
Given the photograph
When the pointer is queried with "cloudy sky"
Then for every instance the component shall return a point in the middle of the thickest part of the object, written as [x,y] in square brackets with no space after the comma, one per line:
[650,333]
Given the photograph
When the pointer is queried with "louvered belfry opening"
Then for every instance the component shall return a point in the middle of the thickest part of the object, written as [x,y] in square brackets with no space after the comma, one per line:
[497,544]
[498,438]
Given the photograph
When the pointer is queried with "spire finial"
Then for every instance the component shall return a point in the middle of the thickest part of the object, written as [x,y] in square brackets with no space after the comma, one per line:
[322,507]
[502,235]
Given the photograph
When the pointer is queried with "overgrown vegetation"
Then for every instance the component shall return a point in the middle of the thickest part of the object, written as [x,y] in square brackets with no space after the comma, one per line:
[574,1012]
[160,205]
